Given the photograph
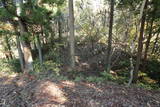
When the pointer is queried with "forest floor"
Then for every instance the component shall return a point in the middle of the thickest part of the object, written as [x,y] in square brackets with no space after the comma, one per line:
[23,91]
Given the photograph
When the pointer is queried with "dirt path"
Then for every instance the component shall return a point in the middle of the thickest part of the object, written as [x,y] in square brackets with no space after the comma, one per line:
[18,92]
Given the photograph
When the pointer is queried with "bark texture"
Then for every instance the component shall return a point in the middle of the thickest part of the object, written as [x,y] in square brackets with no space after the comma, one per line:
[71,28]
[109,52]
[26,46]
[140,43]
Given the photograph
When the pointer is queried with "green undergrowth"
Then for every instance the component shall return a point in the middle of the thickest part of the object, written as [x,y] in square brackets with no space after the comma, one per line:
[53,70]
[9,66]
[48,69]
[97,79]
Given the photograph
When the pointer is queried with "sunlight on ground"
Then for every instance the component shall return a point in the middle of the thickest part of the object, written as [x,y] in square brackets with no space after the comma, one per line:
[94,87]
[8,74]
[7,78]
[68,84]
[51,92]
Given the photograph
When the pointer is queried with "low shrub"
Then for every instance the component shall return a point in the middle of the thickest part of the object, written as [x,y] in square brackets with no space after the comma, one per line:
[10,65]
[47,66]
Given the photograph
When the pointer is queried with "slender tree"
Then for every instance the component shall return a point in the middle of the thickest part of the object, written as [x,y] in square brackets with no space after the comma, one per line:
[38,42]
[26,46]
[148,39]
[109,51]
[155,43]
[71,31]
[59,23]
[24,35]
[8,48]
[140,40]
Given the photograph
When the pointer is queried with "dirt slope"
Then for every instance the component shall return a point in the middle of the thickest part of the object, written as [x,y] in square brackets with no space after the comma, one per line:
[22,92]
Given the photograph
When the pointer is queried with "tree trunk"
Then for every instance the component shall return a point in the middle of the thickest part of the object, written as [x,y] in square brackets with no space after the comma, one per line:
[109,52]
[44,40]
[9,51]
[104,20]
[59,24]
[59,30]
[26,47]
[154,45]
[148,40]
[39,49]
[34,45]
[71,28]
[140,43]
[20,53]
[25,42]
[147,45]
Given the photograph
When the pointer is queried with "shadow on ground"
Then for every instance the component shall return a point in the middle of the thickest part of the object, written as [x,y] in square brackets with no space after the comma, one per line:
[22,91]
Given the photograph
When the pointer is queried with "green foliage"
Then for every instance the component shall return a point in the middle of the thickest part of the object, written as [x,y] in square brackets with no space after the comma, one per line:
[49,70]
[10,66]
[124,63]
[53,67]
[4,32]
[79,78]
[58,2]
[107,76]
[38,15]
[26,37]
[95,79]
[122,80]
[153,69]
[129,3]
[48,66]
[90,29]
[5,15]
[148,86]
[54,53]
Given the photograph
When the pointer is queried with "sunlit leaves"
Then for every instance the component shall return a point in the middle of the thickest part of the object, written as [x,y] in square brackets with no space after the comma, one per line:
[58,2]
[5,15]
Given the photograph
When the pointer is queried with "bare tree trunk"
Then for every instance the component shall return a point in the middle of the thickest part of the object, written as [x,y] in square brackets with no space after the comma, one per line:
[59,31]
[26,47]
[104,20]
[147,44]
[109,52]
[34,45]
[44,41]
[154,45]
[24,35]
[150,34]
[20,53]
[8,47]
[140,43]
[39,49]
[59,24]
[6,56]
[71,28]
[148,40]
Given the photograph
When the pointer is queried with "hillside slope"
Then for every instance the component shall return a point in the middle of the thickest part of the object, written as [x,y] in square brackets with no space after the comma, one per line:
[18,91]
